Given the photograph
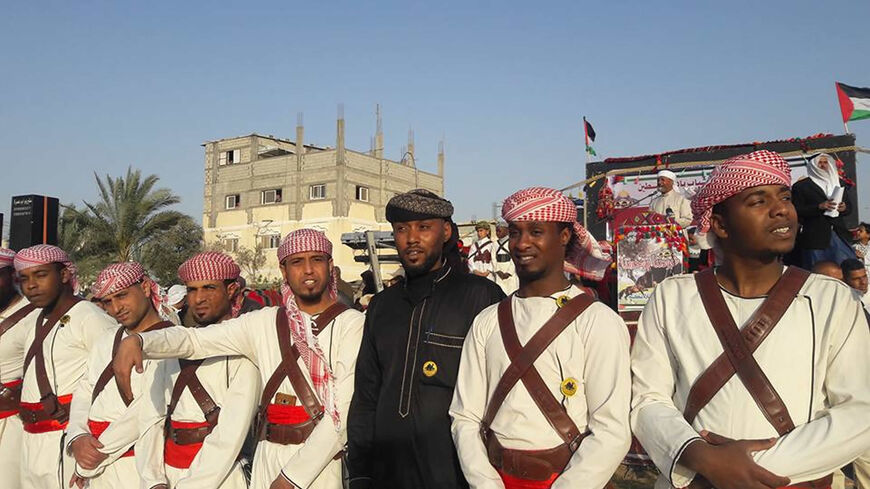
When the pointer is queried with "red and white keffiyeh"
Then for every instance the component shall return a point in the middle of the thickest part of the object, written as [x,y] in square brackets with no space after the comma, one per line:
[7,257]
[300,241]
[550,205]
[212,265]
[44,254]
[735,175]
[119,276]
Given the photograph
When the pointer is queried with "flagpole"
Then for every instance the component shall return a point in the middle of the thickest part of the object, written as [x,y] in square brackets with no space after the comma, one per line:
[585,140]
[846,126]
[583,188]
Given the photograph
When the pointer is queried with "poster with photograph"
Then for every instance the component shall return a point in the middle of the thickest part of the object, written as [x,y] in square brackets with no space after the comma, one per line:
[647,252]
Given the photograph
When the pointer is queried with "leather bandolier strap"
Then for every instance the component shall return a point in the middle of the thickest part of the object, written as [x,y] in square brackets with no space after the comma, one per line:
[737,358]
[293,434]
[108,373]
[533,464]
[10,397]
[187,379]
[51,407]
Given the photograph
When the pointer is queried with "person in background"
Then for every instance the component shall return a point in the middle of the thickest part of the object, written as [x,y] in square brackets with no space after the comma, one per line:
[862,245]
[481,255]
[829,269]
[822,201]
[855,275]
[671,202]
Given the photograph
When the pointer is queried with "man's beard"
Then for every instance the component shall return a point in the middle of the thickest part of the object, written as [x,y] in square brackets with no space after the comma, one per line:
[527,276]
[422,269]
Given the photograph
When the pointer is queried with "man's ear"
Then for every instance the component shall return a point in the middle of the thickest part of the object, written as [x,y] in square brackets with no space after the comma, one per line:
[565,235]
[65,275]
[448,231]
[233,289]
[283,272]
[718,226]
[146,287]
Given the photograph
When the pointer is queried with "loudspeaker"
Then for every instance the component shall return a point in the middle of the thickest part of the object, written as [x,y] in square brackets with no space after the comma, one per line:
[34,221]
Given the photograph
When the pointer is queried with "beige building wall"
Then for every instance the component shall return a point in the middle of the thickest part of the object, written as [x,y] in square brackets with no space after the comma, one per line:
[244,167]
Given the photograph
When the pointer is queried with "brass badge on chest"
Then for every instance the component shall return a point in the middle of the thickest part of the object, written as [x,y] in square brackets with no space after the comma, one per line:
[562,300]
[430,368]
[569,386]
[285,399]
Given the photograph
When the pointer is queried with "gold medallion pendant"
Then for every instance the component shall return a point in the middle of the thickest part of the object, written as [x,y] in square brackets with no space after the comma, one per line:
[430,368]
[562,300]
[569,386]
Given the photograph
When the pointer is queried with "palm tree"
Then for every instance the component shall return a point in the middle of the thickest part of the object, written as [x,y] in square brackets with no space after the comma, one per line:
[129,213]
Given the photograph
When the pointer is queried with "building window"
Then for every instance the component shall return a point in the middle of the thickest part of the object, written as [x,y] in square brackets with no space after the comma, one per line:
[317,192]
[362,193]
[270,241]
[233,201]
[230,245]
[272,196]
[230,157]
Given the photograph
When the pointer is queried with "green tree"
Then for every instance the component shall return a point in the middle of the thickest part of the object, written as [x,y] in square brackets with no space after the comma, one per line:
[167,250]
[129,213]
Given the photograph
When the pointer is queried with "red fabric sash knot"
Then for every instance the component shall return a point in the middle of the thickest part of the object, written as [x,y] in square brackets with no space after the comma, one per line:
[181,456]
[98,427]
[283,414]
[10,385]
[48,424]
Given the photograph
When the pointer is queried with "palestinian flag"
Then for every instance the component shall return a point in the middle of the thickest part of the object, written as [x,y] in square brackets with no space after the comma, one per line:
[854,102]
[589,134]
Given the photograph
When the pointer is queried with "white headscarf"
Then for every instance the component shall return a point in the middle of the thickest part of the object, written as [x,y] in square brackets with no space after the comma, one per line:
[686,193]
[828,180]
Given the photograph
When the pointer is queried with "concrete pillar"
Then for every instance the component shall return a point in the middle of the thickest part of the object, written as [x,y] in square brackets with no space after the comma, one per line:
[300,160]
[441,159]
[379,135]
[412,158]
[341,208]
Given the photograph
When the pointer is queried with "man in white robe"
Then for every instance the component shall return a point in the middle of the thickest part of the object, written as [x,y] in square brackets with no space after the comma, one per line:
[584,369]
[481,255]
[104,425]
[63,333]
[331,333]
[199,444]
[14,309]
[703,427]
[671,201]
[505,272]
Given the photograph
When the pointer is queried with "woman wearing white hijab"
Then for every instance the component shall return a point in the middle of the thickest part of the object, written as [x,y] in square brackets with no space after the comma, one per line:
[822,201]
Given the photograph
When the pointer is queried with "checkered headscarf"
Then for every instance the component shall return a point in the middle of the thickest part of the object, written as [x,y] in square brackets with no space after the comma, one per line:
[300,241]
[212,265]
[119,276]
[7,257]
[546,204]
[44,254]
[735,175]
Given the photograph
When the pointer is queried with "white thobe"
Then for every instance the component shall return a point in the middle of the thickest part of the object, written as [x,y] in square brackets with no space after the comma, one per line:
[816,359]
[477,249]
[255,336]
[675,201]
[593,349]
[233,384]
[502,262]
[44,462]
[123,431]
[12,345]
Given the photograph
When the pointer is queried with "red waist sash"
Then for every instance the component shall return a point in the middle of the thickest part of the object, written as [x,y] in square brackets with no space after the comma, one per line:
[98,427]
[10,385]
[181,456]
[511,482]
[283,414]
[46,425]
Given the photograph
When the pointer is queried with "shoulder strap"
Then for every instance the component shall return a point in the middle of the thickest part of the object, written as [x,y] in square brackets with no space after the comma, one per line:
[522,366]
[16,316]
[108,373]
[290,367]
[187,379]
[327,316]
[44,325]
[739,346]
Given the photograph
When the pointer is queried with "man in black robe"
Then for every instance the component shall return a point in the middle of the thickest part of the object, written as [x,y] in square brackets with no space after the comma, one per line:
[398,426]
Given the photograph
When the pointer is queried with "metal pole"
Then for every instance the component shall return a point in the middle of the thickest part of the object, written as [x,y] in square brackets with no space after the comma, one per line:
[373,260]
[846,126]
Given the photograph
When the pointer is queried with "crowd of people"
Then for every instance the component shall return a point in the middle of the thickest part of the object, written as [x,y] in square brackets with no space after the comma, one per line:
[494,371]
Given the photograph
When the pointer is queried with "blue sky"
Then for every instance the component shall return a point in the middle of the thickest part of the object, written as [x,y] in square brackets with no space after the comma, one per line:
[96,86]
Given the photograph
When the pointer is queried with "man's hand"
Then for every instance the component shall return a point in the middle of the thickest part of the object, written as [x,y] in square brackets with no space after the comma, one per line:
[281,482]
[129,355]
[728,464]
[481,274]
[85,451]
[841,207]
[77,481]
[503,275]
